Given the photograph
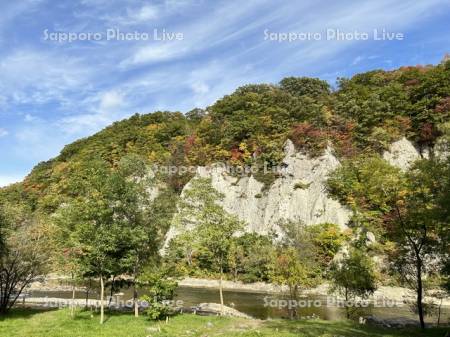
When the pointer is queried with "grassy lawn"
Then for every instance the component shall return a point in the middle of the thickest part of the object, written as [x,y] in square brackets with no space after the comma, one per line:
[57,323]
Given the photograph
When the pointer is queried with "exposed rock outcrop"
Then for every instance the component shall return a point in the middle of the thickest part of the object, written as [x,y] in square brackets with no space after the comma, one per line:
[298,193]
[403,154]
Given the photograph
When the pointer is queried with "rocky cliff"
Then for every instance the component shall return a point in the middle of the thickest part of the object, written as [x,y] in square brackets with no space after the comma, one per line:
[298,193]
[403,154]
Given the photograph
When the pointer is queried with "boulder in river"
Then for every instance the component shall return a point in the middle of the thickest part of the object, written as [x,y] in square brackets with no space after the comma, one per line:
[216,309]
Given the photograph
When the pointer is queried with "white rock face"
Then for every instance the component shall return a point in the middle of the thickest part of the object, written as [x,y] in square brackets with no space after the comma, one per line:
[402,154]
[442,148]
[297,194]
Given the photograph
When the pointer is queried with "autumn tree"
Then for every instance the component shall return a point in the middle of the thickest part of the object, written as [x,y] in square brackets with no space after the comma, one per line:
[328,240]
[404,208]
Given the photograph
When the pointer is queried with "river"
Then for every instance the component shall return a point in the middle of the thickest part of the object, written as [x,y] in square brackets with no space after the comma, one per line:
[266,306]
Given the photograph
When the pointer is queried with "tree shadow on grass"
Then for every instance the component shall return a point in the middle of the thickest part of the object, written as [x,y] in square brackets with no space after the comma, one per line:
[86,314]
[348,329]
[25,313]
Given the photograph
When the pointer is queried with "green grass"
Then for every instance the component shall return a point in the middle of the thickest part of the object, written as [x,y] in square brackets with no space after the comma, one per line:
[58,323]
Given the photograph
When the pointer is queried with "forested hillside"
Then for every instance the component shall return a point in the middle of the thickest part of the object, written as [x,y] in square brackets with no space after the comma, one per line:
[248,127]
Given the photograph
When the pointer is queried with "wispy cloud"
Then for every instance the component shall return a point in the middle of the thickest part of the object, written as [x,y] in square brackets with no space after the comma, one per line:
[357,60]
[103,108]
[151,54]
[30,118]
[3,132]
[134,16]
[31,76]
[12,9]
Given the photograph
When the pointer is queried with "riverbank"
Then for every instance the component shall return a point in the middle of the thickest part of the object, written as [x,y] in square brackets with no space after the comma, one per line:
[397,294]
[55,282]
[56,323]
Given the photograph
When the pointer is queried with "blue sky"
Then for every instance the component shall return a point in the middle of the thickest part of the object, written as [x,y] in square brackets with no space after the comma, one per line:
[52,92]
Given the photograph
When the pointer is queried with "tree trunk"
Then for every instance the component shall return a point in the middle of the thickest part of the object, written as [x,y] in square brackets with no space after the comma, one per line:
[102,295]
[347,309]
[439,313]
[87,295]
[291,297]
[72,309]
[221,291]
[135,298]
[294,309]
[111,293]
[420,292]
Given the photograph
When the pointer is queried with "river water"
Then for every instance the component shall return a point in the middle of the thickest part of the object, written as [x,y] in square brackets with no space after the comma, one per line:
[266,306]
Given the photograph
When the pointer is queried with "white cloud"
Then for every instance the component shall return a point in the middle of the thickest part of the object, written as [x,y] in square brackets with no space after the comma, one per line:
[357,60]
[105,108]
[12,9]
[200,88]
[145,13]
[37,141]
[3,132]
[111,100]
[367,16]
[155,53]
[30,134]
[32,76]
[30,118]
[199,35]
[84,124]
[175,6]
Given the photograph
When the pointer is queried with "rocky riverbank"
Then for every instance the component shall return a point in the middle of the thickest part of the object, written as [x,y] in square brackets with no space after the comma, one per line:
[398,294]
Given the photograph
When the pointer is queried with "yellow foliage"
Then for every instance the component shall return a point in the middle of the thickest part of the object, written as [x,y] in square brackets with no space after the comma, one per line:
[60,167]
[153,127]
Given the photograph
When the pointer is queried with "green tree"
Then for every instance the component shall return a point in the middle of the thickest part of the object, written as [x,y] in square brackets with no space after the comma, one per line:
[4,223]
[160,290]
[403,208]
[235,259]
[25,252]
[295,261]
[99,232]
[353,276]
[328,239]
[133,211]
[214,228]
[300,86]
[250,257]
[421,234]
